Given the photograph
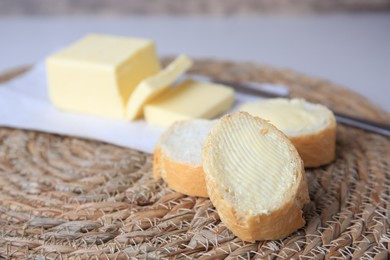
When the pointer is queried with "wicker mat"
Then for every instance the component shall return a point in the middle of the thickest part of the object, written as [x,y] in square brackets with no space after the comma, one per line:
[63,197]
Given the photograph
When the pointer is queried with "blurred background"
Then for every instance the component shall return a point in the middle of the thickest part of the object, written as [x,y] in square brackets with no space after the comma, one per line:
[344,41]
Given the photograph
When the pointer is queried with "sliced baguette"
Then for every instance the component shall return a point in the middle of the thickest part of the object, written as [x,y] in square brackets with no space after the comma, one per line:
[177,157]
[310,127]
[254,177]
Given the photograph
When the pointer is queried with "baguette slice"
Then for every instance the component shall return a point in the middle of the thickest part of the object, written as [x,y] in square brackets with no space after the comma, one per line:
[310,127]
[254,177]
[177,157]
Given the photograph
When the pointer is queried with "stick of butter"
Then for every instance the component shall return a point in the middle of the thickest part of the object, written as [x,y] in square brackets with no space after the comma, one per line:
[155,85]
[97,74]
[190,99]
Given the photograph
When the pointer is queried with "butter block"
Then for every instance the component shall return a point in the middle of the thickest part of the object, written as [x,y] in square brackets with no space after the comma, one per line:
[155,85]
[190,99]
[97,74]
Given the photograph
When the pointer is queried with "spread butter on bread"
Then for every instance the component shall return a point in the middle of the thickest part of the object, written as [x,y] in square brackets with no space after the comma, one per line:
[310,127]
[254,177]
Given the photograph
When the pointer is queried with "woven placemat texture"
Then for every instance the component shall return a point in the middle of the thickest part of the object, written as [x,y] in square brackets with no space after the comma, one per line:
[63,197]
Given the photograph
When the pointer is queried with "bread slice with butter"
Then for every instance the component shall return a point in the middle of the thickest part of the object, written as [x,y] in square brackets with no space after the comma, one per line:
[310,127]
[177,157]
[155,85]
[254,177]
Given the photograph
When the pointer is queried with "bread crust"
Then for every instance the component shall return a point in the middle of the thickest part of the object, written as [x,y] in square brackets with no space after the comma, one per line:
[185,178]
[277,225]
[265,226]
[319,148]
[181,177]
[157,164]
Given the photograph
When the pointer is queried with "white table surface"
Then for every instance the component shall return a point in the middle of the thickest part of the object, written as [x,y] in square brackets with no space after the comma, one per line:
[351,50]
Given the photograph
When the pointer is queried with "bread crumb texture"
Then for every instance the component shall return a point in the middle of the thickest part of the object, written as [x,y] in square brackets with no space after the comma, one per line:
[177,158]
